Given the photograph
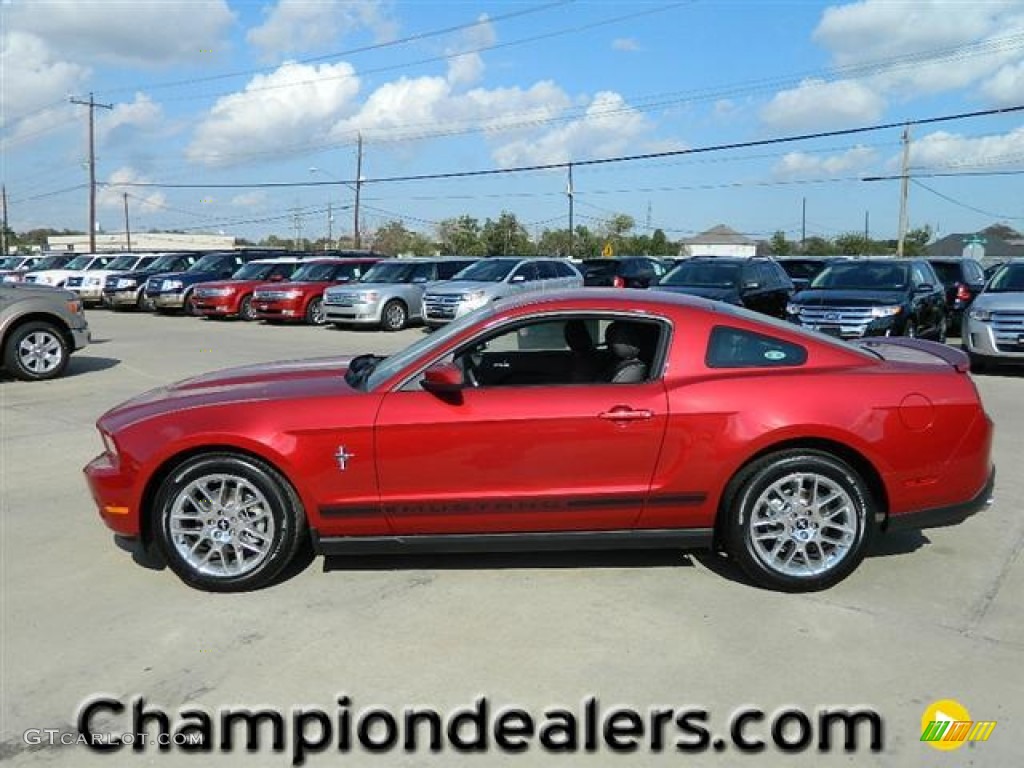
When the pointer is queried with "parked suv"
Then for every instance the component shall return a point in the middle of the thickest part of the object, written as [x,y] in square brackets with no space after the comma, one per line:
[89,285]
[53,261]
[962,280]
[492,279]
[40,328]
[58,276]
[874,297]
[623,272]
[993,330]
[759,284]
[173,290]
[233,297]
[803,269]
[128,289]
[16,264]
[302,299]
[390,294]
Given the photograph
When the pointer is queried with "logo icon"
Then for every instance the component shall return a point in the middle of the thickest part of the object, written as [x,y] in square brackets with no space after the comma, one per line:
[946,724]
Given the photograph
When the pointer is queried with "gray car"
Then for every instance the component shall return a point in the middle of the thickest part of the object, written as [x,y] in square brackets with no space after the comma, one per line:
[39,329]
[496,278]
[390,294]
[993,330]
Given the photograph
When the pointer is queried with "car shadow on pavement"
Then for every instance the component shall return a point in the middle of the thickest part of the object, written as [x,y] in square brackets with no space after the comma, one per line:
[80,364]
[660,558]
[142,556]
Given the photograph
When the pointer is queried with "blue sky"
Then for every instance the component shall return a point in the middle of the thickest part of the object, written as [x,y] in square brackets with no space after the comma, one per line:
[249,93]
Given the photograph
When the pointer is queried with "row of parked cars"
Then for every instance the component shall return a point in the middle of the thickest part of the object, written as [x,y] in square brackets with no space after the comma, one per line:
[845,297]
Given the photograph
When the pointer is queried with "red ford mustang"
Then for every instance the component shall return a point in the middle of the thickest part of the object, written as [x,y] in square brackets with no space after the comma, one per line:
[590,420]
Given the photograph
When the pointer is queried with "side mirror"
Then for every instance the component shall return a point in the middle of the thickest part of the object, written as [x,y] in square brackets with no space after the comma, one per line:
[518,279]
[924,288]
[442,379]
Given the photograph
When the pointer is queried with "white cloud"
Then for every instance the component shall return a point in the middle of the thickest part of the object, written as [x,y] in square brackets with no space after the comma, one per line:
[295,26]
[468,68]
[817,104]
[725,108]
[802,165]
[36,86]
[250,200]
[142,113]
[625,44]
[948,151]
[293,105]
[140,199]
[608,128]
[1006,87]
[142,33]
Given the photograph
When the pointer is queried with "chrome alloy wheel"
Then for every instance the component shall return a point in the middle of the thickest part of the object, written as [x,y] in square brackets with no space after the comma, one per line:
[221,525]
[40,352]
[803,524]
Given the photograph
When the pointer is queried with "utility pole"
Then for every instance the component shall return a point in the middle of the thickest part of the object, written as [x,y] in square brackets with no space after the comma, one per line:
[3,232]
[803,223]
[904,192]
[569,194]
[127,227]
[330,221]
[91,104]
[359,184]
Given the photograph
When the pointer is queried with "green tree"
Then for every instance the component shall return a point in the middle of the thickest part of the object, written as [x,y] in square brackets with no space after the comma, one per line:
[460,237]
[780,246]
[817,246]
[853,244]
[916,240]
[661,245]
[506,236]
[392,239]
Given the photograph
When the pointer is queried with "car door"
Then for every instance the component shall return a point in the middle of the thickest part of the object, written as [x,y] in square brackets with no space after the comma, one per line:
[524,278]
[520,458]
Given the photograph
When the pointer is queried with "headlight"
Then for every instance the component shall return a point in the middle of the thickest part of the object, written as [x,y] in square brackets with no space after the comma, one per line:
[368,295]
[793,309]
[474,299]
[290,294]
[127,282]
[218,292]
[983,315]
[885,311]
[94,281]
[172,285]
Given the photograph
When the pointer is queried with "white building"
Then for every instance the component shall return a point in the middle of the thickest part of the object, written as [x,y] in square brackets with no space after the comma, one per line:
[142,242]
[718,241]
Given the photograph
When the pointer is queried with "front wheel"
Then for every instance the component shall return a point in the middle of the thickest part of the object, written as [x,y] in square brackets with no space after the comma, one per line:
[315,313]
[943,333]
[189,306]
[798,520]
[394,316]
[227,523]
[246,311]
[36,351]
[144,303]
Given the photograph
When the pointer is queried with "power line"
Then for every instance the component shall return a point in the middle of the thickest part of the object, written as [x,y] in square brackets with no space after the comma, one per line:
[962,204]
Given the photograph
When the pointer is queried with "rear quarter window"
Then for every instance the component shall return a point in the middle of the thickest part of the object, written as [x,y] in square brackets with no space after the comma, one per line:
[739,348]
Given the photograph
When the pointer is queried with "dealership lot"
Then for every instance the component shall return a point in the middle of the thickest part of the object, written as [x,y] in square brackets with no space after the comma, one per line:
[929,616]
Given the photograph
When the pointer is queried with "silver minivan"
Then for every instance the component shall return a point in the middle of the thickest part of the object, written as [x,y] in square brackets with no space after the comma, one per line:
[496,278]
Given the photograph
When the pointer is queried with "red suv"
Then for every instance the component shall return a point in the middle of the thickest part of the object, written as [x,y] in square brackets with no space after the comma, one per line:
[233,297]
[302,299]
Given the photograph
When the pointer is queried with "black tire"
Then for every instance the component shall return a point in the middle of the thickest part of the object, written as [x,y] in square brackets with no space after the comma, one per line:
[269,497]
[36,351]
[245,309]
[394,316]
[755,500]
[978,364]
[943,332]
[144,303]
[315,314]
[910,331]
[188,307]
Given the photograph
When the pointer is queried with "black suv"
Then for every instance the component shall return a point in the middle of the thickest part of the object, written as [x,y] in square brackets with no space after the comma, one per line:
[623,272]
[873,297]
[756,283]
[963,279]
[126,289]
[803,269]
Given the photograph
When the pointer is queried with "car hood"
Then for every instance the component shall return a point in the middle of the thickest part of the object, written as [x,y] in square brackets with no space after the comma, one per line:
[56,274]
[30,288]
[189,277]
[845,298]
[232,284]
[1009,300]
[707,292]
[304,285]
[288,380]
[464,286]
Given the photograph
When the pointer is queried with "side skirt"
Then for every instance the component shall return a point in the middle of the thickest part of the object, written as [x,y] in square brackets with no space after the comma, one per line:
[690,538]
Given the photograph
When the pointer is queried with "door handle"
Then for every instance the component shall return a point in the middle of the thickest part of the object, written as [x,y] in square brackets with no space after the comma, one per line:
[500,364]
[625,413]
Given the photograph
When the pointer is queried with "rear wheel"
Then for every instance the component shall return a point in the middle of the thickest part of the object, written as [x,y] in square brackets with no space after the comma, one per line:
[315,314]
[227,523]
[36,351]
[394,316]
[246,311]
[798,520]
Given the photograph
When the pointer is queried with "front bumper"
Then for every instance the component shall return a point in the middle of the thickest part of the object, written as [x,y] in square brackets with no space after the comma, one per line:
[89,293]
[980,340]
[882,326]
[356,313]
[278,309]
[122,298]
[81,337]
[945,516]
[112,490]
[168,300]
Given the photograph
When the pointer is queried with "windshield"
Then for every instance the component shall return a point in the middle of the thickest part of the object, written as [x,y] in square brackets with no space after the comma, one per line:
[863,276]
[488,270]
[1009,279]
[126,261]
[802,269]
[11,262]
[599,268]
[79,262]
[50,262]
[704,274]
[211,262]
[253,271]
[383,368]
[315,273]
[948,271]
[166,262]
[389,272]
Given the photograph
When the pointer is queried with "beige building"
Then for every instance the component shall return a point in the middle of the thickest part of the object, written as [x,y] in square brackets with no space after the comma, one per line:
[718,241]
[142,242]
